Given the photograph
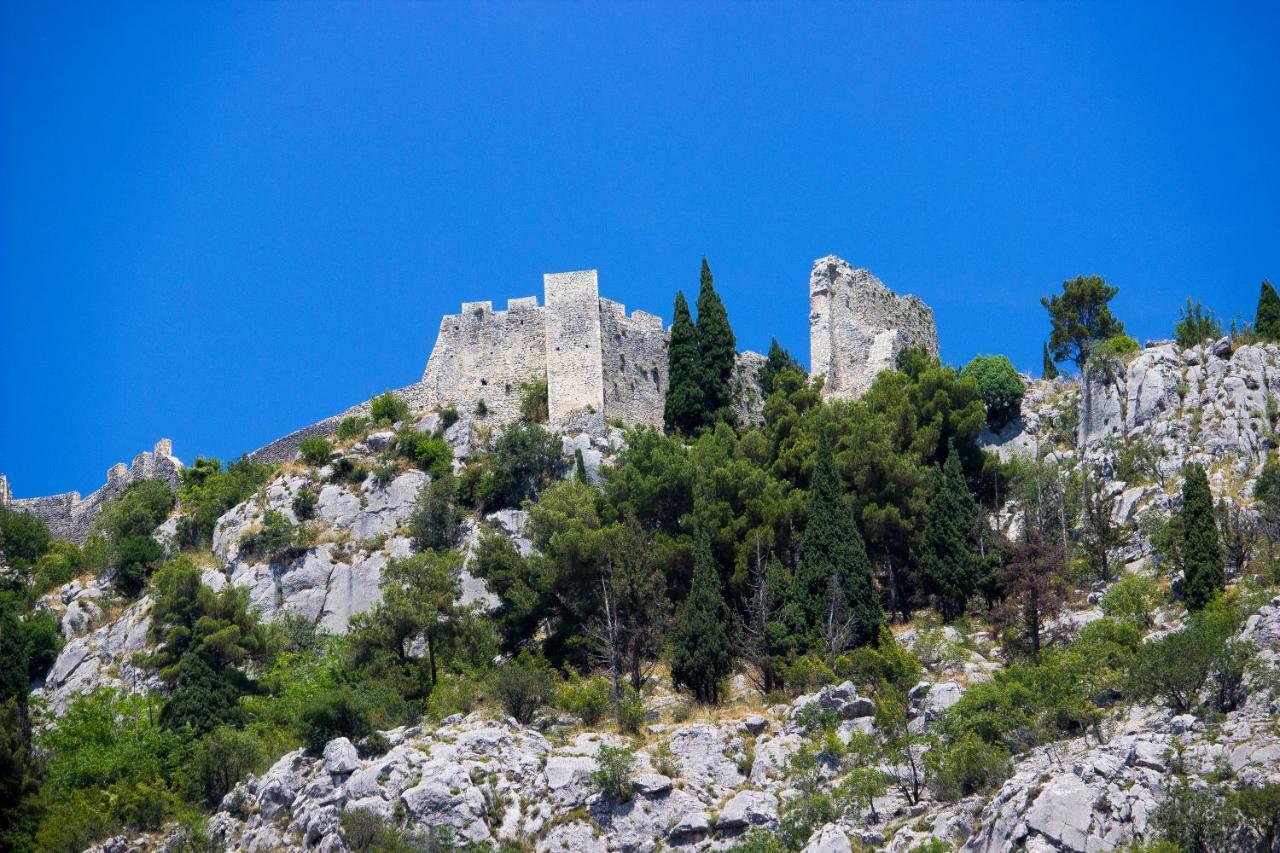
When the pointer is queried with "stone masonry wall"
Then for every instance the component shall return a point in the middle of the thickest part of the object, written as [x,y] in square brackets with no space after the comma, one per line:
[574,353]
[635,364]
[70,517]
[482,354]
[857,326]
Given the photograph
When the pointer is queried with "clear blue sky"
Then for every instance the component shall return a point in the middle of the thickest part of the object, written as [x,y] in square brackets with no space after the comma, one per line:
[220,221]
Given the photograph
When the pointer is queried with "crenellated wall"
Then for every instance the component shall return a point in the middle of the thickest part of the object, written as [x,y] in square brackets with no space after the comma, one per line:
[71,517]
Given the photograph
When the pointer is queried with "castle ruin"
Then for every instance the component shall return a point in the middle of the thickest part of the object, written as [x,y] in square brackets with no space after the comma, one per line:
[857,327]
[72,518]
[595,358]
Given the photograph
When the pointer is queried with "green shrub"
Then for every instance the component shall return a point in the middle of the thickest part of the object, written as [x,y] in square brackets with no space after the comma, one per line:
[522,686]
[315,450]
[525,459]
[1197,820]
[338,712]
[533,401]
[220,760]
[388,408]
[275,538]
[42,636]
[426,451]
[135,559]
[586,698]
[482,409]
[62,562]
[1178,665]
[967,766]
[999,385]
[612,775]
[304,504]
[454,693]
[346,471]
[207,491]
[448,417]
[629,710]
[1195,325]
[24,538]
[352,426]
[436,517]
[1133,598]
[887,661]
[806,674]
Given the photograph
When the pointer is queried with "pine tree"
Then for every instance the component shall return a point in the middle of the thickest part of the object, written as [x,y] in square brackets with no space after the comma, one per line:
[779,360]
[1203,573]
[1267,321]
[702,641]
[717,350]
[1050,369]
[832,545]
[948,565]
[684,411]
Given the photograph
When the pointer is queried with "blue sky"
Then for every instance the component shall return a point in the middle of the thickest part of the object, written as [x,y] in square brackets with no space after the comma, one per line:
[220,222]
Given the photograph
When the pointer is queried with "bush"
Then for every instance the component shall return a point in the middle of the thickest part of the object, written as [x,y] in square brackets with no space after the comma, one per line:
[315,450]
[1197,820]
[585,698]
[886,662]
[522,686]
[304,504]
[135,558]
[806,674]
[346,471]
[388,408]
[1196,324]
[426,451]
[62,562]
[276,537]
[338,712]
[352,426]
[533,401]
[42,636]
[207,491]
[482,409]
[448,417]
[999,386]
[220,760]
[1178,665]
[1132,599]
[24,538]
[435,518]
[967,766]
[613,772]
[525,460]
[630,710]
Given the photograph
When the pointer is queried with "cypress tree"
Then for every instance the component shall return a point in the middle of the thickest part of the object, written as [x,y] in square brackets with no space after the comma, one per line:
[684,410]
[1202,565]
[779,360]
[702,640]
[1267,320]
[1050,369]
[832,545]
[717,350]
[948,566]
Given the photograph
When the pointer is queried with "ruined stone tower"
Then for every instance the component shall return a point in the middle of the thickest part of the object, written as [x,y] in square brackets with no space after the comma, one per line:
[597,360]
[857,326]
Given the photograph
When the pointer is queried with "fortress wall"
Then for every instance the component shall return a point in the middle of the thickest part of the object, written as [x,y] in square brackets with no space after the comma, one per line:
[573,350]
[482,354]
[634,355]
[857,326]
[72,518]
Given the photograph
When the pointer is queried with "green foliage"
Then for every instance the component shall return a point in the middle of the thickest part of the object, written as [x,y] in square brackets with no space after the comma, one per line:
[629,710]
[1179,664]
[203,698]
[304,504]
[1196,324]
[525,459]
[1081,318]
[1259,810]
[207,491]
[352,426]
[683,410]
[999,384]
[1133,599]
[448,417]
[533,401]
[887,662]
[315,450]
[436,515]
[42,639]
[127,523]
[948,563]
[277,537]
[778,361]
[340,711]
[717,350]
[833,557]
[967,766]
[1048,368]
[1118,349]
[1203,571]
[702,638]
[586,698]
[387,408]
[1266,323]
[523,685]
[135,558]
[481,409]
[24,538]
[1197,820]
[426,451]
[220,760]
[612,776]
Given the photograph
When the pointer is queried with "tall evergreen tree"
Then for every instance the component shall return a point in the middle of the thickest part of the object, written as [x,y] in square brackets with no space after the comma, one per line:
[832,545]
[684,411]
[948,565]
[1203,573]
[717,350]
[702,638]
[779,360]
[1050,369]
[1267,320]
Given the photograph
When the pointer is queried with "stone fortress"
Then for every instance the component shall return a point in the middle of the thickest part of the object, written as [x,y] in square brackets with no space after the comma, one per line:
[600,364]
